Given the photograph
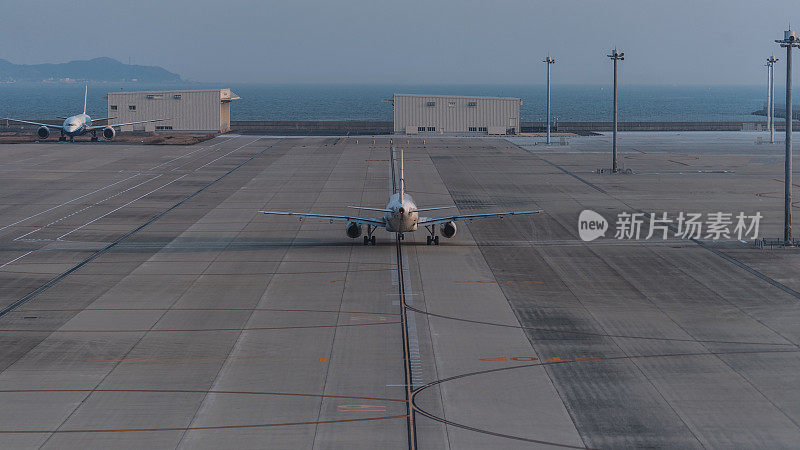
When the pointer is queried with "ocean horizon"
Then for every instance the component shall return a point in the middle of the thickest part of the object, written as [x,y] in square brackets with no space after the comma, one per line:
[647,103]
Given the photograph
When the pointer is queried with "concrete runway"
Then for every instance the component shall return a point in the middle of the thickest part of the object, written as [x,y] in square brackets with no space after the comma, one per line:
[145,303]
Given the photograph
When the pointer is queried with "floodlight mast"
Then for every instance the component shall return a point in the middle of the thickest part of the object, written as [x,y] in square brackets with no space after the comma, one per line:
[549,61]
[771,97]
[615,56]
[789,41]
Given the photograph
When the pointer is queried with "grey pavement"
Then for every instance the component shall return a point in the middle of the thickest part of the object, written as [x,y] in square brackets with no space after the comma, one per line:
[146,303]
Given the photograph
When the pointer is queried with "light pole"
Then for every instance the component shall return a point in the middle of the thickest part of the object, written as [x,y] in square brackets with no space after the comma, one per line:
[549,61]
[616,56]
[789,40]
[771,97]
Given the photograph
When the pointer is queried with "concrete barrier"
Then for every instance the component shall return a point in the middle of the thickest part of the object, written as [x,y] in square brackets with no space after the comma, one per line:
[346,127]
[310,127]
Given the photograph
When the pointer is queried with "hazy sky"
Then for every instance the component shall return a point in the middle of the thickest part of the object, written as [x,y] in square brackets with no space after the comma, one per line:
[410,41]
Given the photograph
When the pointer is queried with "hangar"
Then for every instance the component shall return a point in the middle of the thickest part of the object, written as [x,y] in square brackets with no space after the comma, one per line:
[206,111]
[444,114]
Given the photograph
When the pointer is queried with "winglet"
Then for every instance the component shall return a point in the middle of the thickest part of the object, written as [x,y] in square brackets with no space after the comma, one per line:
[85,94]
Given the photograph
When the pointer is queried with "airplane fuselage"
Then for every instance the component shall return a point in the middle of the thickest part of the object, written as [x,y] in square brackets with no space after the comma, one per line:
[403,217]
[77,125]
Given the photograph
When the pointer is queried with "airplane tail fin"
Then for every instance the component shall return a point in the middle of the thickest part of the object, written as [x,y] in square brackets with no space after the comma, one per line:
[402,178]
[85,94]
[398,178]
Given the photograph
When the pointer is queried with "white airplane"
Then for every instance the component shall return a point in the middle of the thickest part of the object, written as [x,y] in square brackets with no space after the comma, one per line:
[402,215]
[79,125]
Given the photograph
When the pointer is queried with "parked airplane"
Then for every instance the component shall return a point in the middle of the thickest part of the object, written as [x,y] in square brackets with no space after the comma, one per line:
[80,124]
[402,215]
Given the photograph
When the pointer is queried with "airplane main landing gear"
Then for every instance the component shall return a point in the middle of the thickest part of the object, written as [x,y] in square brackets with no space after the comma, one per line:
[370,238]
[433,238]
[94,136]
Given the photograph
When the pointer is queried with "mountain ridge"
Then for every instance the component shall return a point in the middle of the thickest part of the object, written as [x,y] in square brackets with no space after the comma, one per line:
[102,69]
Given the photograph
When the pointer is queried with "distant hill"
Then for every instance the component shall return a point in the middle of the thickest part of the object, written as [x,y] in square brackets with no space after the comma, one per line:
[97,69]
[780,111]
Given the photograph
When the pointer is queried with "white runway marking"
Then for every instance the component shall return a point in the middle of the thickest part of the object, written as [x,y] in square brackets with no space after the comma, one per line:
[87,207]
[411,322]
[68,202]
[17,258]
[117,209]
[190,153]
[226,154]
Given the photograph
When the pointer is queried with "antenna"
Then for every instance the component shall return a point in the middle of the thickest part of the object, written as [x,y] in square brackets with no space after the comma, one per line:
[85,94]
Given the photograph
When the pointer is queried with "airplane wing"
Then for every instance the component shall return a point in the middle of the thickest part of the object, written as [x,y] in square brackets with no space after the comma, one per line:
[375,221]
[57,127]
[103,118]
[435,220]
[98,127]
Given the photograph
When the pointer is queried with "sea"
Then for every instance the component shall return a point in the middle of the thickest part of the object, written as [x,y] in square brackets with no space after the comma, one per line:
[369,101]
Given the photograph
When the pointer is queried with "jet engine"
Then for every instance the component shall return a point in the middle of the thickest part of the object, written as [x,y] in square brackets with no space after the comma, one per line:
[354,230]
[43,132]
[109,133]
[448,229]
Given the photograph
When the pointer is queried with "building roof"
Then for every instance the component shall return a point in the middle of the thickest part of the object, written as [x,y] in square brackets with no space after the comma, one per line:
[232,95]
[457,96]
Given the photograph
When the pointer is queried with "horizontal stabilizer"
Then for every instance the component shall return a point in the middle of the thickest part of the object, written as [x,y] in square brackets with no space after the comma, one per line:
[371,209]
[434,209]
[374,221]
[435,220]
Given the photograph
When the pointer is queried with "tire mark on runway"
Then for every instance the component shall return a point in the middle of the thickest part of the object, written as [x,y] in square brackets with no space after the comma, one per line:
[205,391]
[206,309]
[218,427]
[702,244]
[416,408]
[594,334]
[191,330]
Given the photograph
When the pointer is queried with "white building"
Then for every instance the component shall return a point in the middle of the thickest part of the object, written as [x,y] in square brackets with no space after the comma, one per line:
[416,114]
[206,111]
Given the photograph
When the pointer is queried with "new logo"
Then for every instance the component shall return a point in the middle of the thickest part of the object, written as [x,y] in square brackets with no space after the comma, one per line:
[591,225]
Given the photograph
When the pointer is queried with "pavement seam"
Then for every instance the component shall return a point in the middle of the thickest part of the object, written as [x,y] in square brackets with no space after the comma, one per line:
[517,318]
[236,341]
[144,334]
[124,237]
[341,296]
[702,244]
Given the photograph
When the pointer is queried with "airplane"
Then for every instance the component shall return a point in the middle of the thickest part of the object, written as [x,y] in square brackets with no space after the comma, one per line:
[401,215]
[79,125]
